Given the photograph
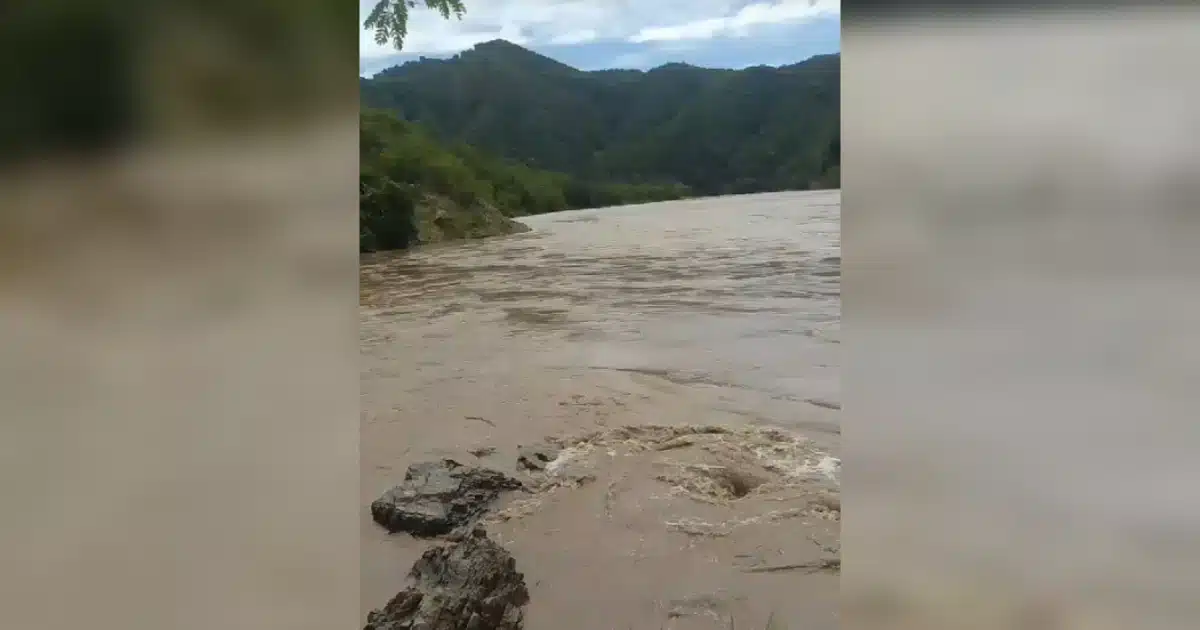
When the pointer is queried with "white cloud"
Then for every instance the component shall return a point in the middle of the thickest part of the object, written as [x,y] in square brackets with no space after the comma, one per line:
[741,22]
[534,22]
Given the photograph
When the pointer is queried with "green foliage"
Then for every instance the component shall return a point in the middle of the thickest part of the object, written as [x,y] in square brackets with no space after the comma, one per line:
[713,131]
[389,18]
[386,214]
[404,169]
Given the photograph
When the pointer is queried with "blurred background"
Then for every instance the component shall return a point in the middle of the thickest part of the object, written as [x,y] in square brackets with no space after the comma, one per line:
[95,76]
[1019,220]
[179,339]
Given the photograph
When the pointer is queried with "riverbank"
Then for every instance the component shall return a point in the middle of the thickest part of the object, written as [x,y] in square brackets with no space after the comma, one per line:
[415,190]
[609,336]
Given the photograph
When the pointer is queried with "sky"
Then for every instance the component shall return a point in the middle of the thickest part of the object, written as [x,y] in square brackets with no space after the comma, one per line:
[642,34]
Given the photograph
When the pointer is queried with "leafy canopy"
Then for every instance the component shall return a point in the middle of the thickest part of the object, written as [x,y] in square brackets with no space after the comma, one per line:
[389,18]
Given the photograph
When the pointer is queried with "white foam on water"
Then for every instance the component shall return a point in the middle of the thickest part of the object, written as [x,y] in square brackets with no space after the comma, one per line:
[565,457]
[828,465]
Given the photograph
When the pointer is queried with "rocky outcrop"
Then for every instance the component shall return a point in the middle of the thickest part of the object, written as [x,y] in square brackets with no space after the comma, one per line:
[437,497]
[472,584]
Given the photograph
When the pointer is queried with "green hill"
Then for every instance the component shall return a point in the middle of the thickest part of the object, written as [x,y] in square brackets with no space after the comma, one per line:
[414,189]
[714,131]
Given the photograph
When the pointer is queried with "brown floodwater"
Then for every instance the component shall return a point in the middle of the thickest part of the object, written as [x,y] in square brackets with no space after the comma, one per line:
[711,311]
[741,293]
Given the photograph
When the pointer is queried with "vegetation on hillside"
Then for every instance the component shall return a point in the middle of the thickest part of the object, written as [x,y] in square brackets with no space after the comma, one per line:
[414,189]
[714,131]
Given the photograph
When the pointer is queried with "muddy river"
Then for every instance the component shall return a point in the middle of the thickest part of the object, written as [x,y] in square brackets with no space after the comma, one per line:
[721,311]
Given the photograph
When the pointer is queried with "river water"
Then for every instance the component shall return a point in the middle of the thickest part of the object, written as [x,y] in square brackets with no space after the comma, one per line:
[740,293]
[710,311]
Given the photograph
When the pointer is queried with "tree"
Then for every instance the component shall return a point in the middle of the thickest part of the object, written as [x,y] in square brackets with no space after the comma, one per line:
[389,18]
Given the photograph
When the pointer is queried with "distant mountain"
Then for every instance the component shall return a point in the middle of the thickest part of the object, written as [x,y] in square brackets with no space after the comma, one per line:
[715,131]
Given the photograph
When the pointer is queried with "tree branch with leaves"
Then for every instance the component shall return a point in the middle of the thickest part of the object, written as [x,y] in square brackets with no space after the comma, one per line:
[389,18]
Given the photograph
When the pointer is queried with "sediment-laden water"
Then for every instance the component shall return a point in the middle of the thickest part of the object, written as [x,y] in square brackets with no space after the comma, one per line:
[720,311]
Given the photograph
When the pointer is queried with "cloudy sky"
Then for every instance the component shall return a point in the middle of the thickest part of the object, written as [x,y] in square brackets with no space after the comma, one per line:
[591,34]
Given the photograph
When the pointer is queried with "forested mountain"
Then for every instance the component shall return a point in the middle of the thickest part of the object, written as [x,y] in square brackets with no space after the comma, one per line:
[713,131]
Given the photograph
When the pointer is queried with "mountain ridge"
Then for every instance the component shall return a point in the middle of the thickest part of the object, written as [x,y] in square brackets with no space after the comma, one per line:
[505,45]
[715,131]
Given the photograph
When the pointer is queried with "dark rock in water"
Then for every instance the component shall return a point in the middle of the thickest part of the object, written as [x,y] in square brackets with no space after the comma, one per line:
[438,496]
[468,585]
[536,456]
